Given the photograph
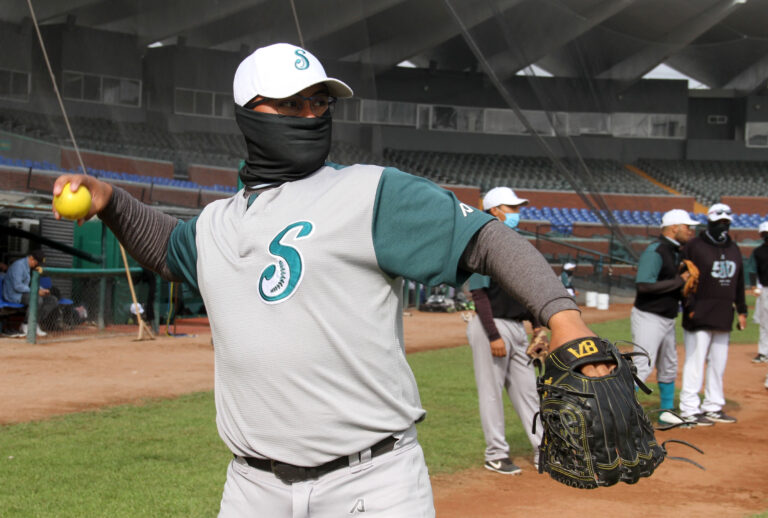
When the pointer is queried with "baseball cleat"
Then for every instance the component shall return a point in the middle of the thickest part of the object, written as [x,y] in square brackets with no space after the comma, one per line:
[698,420]
[719,417]
[503,466]
[669,418]
[760,358]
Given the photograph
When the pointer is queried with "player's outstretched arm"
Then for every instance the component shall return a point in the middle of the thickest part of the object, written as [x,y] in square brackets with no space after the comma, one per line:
[524,273]
[143,231]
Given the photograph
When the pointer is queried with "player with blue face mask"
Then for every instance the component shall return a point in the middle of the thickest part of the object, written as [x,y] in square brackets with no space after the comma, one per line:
[503,204]
[498,340]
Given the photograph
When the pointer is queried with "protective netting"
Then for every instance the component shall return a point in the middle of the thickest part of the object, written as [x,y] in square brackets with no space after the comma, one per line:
[547,97]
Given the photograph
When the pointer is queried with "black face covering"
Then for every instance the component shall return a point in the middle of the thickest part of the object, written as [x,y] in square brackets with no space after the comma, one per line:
[718,230]
[280,148]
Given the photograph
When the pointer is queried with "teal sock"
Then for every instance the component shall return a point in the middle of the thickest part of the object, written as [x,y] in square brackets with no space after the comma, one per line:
[667,395]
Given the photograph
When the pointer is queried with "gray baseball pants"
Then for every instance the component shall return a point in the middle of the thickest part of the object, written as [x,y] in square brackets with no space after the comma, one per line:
[761,318]
[656,335]
[393,484]
[494,375]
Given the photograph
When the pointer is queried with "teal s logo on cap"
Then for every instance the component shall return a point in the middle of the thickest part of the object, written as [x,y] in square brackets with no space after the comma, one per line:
[280,279]
[302,63]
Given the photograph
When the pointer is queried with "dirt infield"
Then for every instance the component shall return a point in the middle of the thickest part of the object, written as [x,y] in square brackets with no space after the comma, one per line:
[39,381]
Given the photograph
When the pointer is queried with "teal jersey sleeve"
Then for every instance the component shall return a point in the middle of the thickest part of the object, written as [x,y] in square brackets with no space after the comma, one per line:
[479,282]
[564,279]
[420,230]
[649,265]
[182,252]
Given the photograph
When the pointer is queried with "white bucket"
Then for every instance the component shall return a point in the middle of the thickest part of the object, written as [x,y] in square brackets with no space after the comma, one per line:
[591,299]
[602,301]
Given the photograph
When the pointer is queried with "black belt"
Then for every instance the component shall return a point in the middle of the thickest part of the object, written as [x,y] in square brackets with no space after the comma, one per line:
[290,474]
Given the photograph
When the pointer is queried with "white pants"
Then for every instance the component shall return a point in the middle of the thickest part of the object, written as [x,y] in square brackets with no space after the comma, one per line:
[710,348]
[761,317]
[393,484]
[656,336]
[494,375]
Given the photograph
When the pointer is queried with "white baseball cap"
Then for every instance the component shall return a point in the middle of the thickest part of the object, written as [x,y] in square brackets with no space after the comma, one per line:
[719,211]
[569,266]
[677,217]
[502,196]
[763,227]
[279,71]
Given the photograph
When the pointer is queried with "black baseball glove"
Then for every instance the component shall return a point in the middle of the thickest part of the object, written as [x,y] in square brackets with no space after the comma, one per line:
[595,432]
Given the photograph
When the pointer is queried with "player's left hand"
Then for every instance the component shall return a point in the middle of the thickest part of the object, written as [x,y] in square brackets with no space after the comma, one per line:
[568,325]
[595,431]
[742,322]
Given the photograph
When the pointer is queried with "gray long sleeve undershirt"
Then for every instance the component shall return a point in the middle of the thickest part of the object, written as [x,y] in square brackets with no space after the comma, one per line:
[145,233]
[494,248]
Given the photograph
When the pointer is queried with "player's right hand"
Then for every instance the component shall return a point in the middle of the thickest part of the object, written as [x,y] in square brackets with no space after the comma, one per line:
[101,192]
[498,348]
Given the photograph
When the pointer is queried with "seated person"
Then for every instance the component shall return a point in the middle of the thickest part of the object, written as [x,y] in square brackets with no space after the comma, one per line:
[16,287]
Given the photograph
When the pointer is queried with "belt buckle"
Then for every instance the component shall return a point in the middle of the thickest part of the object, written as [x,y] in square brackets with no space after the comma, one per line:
[288,473]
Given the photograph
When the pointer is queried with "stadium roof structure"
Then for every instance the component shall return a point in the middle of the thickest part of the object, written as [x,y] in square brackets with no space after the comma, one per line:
[720,43]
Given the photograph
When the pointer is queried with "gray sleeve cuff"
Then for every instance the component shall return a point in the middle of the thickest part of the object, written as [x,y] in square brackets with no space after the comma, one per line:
[522,271]
[143,232]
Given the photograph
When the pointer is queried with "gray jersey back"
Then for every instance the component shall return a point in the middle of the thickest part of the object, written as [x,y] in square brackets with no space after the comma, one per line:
[310,361]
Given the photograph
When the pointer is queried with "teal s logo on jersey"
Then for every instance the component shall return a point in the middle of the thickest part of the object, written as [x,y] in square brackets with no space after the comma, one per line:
[302,63]
[280,279]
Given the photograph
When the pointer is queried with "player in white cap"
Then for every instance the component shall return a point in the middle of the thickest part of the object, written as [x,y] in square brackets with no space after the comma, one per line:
[566,277]
[658,283]
[498,340]
[708,317]
[301,274]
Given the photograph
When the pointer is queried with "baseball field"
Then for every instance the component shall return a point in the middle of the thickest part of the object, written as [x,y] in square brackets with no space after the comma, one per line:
[117,427]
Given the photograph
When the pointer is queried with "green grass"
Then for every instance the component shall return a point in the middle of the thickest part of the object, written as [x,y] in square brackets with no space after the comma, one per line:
[164,458]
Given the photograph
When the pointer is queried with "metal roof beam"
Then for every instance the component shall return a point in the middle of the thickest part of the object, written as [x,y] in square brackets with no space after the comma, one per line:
[639,64]
[540,39]
[748,80]
[274,22]
[424,27]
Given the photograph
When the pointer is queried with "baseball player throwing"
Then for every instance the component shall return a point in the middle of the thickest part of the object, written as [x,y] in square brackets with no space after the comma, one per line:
[301,275]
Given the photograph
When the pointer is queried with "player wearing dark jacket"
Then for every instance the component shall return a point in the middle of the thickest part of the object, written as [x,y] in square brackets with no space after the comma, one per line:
[708,317]
[657,303]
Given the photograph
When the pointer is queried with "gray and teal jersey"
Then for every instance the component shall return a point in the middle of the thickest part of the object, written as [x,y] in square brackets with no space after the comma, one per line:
[295,382]
[658,279]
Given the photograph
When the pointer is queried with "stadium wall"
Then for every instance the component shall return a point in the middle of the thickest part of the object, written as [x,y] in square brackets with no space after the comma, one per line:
[25,148]
[705,118]
[207,175]
[13,36]
[117,163]
[614,201]
[530,93]
[90,51]
[747,204]
[623,150]
[718,150]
